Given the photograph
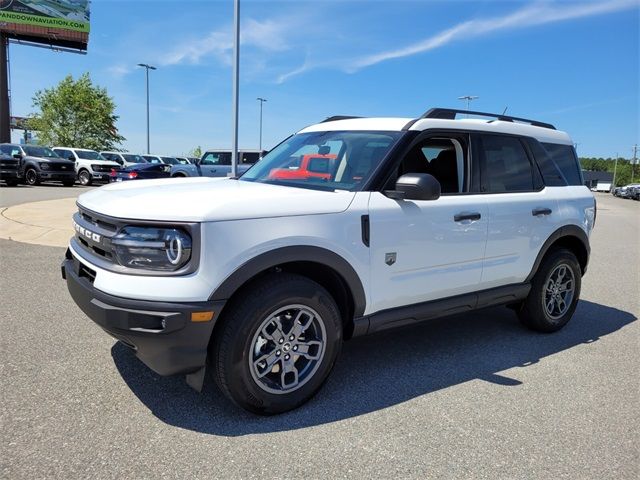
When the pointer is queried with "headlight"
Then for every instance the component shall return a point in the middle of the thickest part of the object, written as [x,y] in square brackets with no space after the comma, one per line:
[44,166]
[164,249]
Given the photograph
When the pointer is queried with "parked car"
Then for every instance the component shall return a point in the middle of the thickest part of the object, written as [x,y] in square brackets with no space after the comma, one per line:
[315,165]
[9,169]
[258,280]
[125,159]
[90,166]
[142,171]
[633,192]
[161,159]
[41,164]
[217,163]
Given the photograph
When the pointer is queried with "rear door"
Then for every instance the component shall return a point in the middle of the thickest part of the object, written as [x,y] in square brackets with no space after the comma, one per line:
[522,212]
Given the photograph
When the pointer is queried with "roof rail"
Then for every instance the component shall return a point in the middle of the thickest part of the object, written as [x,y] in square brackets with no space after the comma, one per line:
[450,114]
[338,117]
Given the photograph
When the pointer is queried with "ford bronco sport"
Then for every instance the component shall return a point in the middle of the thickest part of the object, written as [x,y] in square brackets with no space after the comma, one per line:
[258,280]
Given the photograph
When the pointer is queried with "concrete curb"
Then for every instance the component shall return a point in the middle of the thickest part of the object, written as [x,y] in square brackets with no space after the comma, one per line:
[39,223]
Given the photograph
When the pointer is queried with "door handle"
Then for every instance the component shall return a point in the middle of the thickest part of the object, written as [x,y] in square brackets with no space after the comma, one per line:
[466,216]
[538,212]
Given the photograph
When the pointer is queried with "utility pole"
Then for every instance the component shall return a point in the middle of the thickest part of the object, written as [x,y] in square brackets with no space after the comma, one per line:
[261,100]
[147,68]
[615,168]
[633,162]
[469,99]
[236,87]
[5,114]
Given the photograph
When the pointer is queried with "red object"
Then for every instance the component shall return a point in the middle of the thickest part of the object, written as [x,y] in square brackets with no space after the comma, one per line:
[133,174]
[308,168]
[113,173]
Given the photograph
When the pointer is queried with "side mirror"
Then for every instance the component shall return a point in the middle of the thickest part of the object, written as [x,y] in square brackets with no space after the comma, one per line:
[415,186]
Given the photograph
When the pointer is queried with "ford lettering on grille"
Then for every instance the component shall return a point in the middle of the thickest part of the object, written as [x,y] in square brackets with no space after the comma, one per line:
[83,232]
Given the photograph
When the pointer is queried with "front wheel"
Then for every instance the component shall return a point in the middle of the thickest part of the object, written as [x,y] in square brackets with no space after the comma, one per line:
[277,345]
[85,178]
[31,177]
[554,294]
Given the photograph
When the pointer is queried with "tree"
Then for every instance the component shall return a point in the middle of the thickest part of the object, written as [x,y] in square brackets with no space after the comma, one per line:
[196,152]
[76,113]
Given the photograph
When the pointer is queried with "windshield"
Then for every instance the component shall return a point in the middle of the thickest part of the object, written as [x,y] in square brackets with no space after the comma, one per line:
[131,158]
[89,155]
[170,160]
[324,160]
[42,152]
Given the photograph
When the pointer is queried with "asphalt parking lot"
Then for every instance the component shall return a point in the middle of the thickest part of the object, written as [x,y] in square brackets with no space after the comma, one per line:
[471,396]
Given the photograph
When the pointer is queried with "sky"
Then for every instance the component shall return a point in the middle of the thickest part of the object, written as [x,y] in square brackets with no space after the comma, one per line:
[572,63]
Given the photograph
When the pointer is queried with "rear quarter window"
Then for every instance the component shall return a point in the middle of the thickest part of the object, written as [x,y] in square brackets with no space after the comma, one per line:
[566,160]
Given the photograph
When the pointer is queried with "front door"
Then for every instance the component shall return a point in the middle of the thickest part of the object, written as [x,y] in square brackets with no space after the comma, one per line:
[426,250]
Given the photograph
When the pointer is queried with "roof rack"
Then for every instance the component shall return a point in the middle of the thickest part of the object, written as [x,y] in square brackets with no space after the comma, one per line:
[450,114]
[338,117]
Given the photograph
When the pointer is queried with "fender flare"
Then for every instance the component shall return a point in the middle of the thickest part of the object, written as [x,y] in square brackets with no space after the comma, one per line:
[566,231]
[300,253]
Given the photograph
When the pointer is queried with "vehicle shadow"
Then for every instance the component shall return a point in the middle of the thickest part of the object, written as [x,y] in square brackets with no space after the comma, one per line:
[379,371]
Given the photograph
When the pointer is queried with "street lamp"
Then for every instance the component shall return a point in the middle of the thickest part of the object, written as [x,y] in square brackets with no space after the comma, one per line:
[236,88]
[469,99]
[147,68]
[261,100]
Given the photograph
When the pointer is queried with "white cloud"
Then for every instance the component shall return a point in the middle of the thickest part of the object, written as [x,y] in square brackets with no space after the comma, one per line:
[538,13]
[119,71]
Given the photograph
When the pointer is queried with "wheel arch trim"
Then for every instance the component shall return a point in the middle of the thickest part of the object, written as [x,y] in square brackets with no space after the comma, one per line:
[299,253]
[568,232]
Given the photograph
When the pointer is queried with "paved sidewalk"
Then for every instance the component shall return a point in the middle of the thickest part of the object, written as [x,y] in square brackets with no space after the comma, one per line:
[40,223]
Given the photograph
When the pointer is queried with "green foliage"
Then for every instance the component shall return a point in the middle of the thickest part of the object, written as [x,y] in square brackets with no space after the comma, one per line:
[623,170]
[196,152]
[76,113]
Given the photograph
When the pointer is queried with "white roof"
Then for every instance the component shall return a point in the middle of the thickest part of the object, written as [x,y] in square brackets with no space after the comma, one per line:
[397,124]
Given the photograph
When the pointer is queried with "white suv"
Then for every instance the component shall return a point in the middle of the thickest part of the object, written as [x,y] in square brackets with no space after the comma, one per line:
[90,165]
[349,227]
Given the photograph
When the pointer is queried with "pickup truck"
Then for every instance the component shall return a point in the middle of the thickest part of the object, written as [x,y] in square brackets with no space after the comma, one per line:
[309,166]
[217,163]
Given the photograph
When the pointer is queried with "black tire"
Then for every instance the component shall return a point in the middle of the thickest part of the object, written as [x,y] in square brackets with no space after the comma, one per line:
[84,177]
[233,349]
[534,312]
[69,183]
[31,177]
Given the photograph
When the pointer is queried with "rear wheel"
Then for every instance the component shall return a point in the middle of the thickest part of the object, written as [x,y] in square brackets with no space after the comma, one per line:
[277,345]
[554,294]
[85,178]
[31,177]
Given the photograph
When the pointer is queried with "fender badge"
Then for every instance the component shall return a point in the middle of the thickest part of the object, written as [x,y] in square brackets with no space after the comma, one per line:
[390,258]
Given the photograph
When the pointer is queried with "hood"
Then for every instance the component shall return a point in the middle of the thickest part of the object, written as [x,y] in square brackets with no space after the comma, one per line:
[205,199]
[48,160]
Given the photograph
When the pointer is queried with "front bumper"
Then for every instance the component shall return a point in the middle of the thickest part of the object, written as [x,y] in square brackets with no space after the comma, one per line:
[9,174]
[101,177]
[62,176]
[162,334]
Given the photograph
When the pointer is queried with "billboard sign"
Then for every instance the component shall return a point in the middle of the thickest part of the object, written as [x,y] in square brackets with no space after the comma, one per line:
[61,23]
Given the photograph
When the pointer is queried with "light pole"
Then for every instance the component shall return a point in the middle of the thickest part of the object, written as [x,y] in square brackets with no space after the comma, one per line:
[261,100]
[615,169]
[236,86]
[147,68]
[633,162]
[469,99]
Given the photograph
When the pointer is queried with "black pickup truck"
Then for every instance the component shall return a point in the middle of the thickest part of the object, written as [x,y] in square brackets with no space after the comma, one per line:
[9,170]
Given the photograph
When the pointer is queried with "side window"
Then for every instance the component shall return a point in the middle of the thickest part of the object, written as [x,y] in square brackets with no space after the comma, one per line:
[250,157]
[444,158]
[216,158]
[504,165]
[565,159]
[65,154]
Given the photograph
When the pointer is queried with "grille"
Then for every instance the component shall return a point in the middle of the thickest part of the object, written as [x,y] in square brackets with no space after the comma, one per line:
[104,168]
[61,167]
[9,164]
